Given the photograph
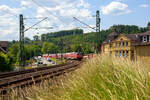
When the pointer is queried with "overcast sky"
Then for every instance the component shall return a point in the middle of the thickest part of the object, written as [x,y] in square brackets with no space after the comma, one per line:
[60,14]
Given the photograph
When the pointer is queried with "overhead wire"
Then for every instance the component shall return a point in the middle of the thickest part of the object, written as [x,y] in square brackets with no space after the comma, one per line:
[35,24]
[57,16]
[43,7]
[47,10]
[10,13]
[84,23]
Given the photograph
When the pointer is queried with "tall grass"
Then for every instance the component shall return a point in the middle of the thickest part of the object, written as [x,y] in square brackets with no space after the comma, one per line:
[101,78]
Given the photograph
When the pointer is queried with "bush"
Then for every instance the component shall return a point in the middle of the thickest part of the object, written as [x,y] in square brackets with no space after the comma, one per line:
[5,63]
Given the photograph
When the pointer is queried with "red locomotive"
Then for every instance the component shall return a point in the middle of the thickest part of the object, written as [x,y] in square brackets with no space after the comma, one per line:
[71,55]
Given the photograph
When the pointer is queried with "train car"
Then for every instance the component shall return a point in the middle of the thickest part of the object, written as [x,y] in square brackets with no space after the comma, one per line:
[71,55]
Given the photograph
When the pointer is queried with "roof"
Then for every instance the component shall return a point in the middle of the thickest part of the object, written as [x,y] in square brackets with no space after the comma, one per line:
[132,37]
[1,49]
[111,37]
[114,34]
[145,33]
[4,43]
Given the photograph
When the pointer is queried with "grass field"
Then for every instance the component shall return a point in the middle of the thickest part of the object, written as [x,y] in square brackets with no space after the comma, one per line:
[101,78]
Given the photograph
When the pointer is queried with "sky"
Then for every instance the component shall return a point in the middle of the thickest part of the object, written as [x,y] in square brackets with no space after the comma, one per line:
[60,15]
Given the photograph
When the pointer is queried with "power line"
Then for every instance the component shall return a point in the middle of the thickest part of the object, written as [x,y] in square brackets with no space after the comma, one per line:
[58,17]
[84,23]
[47,10]
[10,13]
[42,28]
[35,18]
[35,24]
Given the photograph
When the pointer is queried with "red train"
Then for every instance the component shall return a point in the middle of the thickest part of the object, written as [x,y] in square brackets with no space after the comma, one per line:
[71,55]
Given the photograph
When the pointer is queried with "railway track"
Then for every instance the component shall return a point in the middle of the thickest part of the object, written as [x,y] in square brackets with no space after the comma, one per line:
[28,77]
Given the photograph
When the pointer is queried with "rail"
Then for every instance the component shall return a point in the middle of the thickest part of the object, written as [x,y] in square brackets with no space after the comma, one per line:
[28,77]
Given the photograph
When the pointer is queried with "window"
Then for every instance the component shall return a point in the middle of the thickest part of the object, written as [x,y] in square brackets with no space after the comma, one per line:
[144,38]
[110,45]
[116,53]
[122,43]
[149,38]
[119,43]
[127,53]
[126,43]
[110,53]
[123,53]
[120,53]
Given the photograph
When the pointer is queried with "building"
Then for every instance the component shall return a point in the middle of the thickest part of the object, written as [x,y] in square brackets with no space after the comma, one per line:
[133,46]
[4,46]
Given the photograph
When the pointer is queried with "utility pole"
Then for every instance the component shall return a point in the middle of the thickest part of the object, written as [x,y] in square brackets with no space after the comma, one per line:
[98,35]
[21,41]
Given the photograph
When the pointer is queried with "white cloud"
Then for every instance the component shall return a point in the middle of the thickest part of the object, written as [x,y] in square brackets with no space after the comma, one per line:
[26,4]
[115,8]
[60,15]
[144,6]
[10,11]
[9,22]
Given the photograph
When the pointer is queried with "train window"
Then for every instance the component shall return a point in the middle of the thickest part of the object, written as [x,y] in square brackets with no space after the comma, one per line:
[79,53]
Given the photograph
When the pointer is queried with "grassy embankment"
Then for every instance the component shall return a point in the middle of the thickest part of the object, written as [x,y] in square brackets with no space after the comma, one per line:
[101,78]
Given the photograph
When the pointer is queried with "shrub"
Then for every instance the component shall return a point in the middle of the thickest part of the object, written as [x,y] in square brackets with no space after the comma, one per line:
[5,63]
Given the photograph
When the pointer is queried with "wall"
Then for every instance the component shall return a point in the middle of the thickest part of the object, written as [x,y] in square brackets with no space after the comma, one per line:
[143,54]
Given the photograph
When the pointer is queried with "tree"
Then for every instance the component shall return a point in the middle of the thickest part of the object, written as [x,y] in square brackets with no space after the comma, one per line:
[148,26]
[77,48]
[13,52]
[36,38]
[49,48]
[5,63]
[27,40]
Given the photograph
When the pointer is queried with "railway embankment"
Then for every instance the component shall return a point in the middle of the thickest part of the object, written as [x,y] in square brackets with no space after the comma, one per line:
[98,78]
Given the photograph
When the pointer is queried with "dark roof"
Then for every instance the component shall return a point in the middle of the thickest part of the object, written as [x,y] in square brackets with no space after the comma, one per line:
[111,37]
[133,37]
[114,34]
[145,33]
[4,43]
[1,49]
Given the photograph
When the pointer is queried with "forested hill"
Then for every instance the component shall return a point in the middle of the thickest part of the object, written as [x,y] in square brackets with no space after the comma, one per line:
[129,29]
[61,33]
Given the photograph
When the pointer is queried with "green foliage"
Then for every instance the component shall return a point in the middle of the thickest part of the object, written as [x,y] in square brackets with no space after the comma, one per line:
[13,52]
[31,51]
[77,48]
[27,40]
[61,33]
[128,29]
[36,38]
[148,26]
[49,48]
[5,63]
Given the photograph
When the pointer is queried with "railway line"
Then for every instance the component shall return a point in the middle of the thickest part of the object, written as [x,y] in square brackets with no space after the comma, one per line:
[23,78]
